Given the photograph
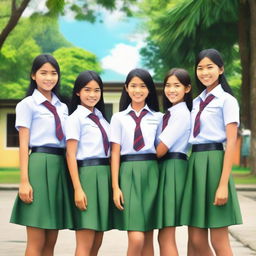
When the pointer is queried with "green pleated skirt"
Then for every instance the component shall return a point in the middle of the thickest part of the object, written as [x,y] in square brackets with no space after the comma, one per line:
[197,209]
[138,182]
[51,207]
[96,184]
[172,180]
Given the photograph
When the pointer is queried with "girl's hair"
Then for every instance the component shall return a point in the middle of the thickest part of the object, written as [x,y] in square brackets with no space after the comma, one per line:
[216,58]
[81,81]
[38,62]
[151,99]
[184,78]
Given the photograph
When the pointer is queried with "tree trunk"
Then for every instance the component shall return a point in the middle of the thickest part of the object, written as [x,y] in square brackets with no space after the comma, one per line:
[244,49]
[252,4]
[14,18]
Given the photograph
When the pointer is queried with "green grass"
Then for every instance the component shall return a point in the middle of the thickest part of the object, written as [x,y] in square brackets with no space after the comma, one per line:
[241,175]
[9,175]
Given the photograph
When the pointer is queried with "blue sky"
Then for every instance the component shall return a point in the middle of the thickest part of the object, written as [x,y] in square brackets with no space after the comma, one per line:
[116,42]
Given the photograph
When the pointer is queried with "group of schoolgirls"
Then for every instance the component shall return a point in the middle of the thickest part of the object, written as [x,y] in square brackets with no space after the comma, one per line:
[148,183]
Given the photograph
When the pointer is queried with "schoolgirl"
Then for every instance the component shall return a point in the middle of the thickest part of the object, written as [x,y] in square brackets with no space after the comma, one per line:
[133,161]
[210,200]
[43,192]
[88,153]
[172,148]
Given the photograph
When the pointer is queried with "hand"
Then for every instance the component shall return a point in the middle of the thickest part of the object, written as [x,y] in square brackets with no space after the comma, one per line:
[26,193]
[118,198]
[80,200]
[221,195]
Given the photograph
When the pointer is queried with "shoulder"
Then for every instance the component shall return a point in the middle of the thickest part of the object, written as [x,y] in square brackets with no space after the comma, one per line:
[157,115]
[229,98]
[27,102]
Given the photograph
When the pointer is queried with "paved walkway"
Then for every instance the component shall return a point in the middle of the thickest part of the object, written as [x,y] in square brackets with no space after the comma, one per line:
[13,237]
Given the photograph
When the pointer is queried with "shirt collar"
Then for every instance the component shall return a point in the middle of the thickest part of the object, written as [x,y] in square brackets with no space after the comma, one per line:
[129,108]
[217,92]
[85,111]
[178,106]
[40,98]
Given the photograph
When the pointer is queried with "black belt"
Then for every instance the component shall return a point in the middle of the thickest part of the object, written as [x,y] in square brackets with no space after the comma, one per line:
[93,162]
[138,157]
[207,147]
[48,150]
[174,155]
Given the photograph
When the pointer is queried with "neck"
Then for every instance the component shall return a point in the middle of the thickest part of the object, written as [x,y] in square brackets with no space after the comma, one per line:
[47,94]
[138,106]
[211,87]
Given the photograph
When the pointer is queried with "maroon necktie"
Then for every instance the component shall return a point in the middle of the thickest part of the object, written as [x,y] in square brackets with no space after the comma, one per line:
[166,118]
[58,128]
[138,141]
[203,104]
[96,120]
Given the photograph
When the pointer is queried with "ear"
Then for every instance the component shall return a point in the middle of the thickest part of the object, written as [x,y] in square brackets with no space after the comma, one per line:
[188,88]
[126,87]
[78,94]
[221,70]
[33,76]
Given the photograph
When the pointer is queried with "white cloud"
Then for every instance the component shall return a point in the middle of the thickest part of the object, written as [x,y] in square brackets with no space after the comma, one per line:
[122,58]
[35,6]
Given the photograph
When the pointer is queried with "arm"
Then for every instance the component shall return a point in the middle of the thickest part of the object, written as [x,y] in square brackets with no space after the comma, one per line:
[221,196]
[25,189]
[115,164]
[161,149]
[80,196]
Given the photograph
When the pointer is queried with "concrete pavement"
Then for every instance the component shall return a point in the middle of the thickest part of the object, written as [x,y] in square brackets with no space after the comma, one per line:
[13,237]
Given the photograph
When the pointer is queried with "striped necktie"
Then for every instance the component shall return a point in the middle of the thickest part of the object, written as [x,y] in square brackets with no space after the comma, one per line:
[166,118]
[58,128]
[138,141]
[203,104]
[96,120]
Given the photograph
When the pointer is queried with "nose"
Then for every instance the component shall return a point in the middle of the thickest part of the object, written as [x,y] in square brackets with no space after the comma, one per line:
[137,89]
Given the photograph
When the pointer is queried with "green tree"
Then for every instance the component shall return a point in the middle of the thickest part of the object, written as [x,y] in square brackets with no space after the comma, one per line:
[72,61]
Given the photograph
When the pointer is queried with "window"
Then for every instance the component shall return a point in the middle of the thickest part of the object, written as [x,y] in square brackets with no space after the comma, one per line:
[108,111]
[12,133]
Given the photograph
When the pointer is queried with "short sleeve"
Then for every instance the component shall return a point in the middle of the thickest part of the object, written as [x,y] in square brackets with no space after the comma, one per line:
[115,130]
[24,115]
[72,128]
[231,111]
[175,130]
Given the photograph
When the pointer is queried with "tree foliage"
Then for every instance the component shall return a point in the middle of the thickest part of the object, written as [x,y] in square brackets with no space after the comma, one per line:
[72,61]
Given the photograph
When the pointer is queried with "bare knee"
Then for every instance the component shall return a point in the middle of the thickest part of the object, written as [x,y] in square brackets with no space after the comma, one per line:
[220,241]
[136,241]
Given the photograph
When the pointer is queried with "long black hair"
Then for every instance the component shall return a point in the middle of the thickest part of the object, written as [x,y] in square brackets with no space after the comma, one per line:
[38,62]
[151,99]
[81,81]
[184,78]
[216,58]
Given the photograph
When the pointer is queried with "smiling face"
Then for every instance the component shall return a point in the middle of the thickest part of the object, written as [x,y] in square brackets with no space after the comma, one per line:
[46,77]
[90,95]
[208,73]
[174,90]
[137,91]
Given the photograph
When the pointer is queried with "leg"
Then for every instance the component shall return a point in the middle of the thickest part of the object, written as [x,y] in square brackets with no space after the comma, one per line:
[84,242]
[135,243]
[96,243]
[220,241]
[198,242]
[148,248]
[35,241]
[50,241]
[167,242]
